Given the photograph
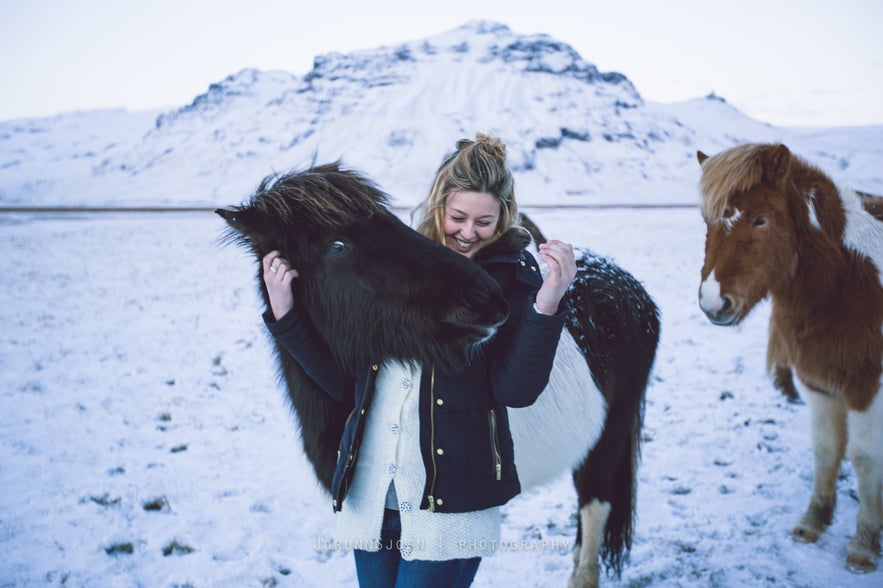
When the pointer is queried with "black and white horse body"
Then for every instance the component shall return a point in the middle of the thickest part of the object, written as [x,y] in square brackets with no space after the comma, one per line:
[594,408]
[572,406]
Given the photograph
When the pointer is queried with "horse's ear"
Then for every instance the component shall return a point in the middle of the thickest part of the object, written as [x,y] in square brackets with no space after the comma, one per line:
[228,214]
[701,157]
[241,222]
[239,219]
[247,227]
[776,164]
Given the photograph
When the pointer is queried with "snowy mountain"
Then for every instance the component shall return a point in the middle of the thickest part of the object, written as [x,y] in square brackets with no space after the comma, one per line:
[575,135]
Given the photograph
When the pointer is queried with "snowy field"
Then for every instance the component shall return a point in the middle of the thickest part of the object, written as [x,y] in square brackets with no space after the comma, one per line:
[144,440]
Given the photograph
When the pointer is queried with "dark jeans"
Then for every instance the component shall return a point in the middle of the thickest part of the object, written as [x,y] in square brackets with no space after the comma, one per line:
[387,569]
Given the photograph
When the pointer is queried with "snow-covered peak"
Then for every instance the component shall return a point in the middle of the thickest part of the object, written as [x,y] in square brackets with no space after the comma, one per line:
[480,41]
[238,88]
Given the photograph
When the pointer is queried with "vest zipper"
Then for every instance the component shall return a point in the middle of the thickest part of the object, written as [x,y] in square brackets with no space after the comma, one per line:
[432,439]
[498,461]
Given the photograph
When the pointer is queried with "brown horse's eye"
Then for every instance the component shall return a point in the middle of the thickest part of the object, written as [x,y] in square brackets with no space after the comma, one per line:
[760,221]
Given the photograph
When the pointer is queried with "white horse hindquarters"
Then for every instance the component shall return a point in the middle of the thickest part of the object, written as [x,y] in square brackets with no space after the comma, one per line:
[555,433]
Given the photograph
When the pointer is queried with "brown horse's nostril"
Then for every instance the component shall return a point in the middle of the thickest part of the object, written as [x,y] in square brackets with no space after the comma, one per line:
[726,306]
[724,312]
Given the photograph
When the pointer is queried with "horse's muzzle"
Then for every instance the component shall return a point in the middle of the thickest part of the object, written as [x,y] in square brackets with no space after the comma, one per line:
[724,320]
[721,311]
[479,314]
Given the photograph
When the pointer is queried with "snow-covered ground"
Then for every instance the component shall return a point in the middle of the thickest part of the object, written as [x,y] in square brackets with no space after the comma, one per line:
[144,440]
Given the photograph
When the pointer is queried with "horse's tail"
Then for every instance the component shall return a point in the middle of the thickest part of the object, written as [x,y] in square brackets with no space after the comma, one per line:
[617,325]
[619,451]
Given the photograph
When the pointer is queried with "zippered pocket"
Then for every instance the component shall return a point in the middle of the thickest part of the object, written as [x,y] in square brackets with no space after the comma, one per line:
[346,426]
[495,448]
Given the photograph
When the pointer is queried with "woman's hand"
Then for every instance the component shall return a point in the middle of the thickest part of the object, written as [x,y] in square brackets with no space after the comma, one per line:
[562,269]
[278,275]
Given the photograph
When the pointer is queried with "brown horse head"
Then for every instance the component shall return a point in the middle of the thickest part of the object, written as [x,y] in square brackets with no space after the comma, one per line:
[752,238]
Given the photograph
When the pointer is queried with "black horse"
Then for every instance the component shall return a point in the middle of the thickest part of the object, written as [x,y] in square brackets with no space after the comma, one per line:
[373,287]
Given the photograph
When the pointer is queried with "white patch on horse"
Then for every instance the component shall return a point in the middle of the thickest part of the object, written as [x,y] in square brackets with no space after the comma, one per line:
[864,428]
[811,206]
[554,434]
[863,233]
[710,299]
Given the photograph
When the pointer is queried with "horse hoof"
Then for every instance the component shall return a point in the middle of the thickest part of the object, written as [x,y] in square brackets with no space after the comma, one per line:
[860,564]
[585,576]
[803,535]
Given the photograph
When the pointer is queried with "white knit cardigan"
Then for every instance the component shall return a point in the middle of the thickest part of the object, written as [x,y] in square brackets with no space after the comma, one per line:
[390,454]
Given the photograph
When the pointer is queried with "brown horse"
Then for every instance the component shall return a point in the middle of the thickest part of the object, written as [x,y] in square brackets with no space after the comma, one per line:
[779,227]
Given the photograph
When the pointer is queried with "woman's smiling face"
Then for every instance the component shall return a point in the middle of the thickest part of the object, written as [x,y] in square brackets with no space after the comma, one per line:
[471,220]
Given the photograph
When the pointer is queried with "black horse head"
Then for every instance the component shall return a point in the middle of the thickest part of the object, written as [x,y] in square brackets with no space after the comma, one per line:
[373,287]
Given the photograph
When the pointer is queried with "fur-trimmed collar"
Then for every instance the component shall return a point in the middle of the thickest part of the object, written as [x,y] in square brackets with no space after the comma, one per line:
[510,243]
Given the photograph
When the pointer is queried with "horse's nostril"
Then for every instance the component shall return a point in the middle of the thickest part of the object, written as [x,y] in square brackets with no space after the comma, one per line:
[487,308]
[500,307]
[724,310]
[726,306]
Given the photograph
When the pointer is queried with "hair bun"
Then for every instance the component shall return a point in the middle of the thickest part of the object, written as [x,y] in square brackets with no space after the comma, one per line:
[491,143]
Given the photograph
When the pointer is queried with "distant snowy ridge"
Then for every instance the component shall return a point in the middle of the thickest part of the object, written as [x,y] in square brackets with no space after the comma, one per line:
[575,135]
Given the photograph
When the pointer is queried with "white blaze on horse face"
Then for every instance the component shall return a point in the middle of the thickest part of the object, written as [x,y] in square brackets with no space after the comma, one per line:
[710,298]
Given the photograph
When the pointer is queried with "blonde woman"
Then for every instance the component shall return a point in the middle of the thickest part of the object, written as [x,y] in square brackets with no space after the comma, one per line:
[434,459]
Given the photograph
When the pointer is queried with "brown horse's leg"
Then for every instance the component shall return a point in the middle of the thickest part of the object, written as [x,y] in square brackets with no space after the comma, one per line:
[866,455]
[586,569]
[784,383]
[828,430]
[777,364]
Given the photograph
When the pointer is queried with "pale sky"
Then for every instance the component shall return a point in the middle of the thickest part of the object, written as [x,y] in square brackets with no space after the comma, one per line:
[787,62]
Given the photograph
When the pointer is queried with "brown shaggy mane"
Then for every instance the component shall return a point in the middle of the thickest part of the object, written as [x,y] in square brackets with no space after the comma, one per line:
[728,173]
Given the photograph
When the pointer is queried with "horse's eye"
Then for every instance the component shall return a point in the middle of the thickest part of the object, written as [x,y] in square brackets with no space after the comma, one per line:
[337,248]
[760,221]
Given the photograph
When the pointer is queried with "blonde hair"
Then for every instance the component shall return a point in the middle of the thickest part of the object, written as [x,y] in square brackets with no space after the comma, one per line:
[475,166]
